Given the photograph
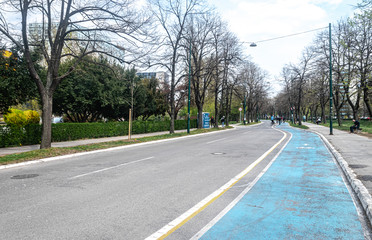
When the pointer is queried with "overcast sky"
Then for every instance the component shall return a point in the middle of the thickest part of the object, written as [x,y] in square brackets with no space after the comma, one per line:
[257,20]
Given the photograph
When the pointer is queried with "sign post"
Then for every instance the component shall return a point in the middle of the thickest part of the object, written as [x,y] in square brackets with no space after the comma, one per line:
[206,120]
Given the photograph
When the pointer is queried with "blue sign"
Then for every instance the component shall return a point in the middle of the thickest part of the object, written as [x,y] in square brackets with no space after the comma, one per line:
[206,120]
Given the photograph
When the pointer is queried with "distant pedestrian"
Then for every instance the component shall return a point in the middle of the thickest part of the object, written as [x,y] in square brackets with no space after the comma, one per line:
[318,121]
[223,121]
[212,121]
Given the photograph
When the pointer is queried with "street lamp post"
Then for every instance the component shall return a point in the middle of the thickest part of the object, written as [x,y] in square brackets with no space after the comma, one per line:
[330,82]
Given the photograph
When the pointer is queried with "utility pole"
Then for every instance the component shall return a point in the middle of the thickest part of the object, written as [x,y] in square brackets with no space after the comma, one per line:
[330,81]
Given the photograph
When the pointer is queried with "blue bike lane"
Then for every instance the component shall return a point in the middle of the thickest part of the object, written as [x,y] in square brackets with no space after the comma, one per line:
[301,196]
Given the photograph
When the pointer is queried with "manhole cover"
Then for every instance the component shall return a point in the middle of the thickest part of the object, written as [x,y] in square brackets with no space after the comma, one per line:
[365,178]
[23,176]
[218,153]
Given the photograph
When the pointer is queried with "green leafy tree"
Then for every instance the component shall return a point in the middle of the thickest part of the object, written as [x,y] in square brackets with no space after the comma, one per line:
[16,85]
[154,99]
[92,92]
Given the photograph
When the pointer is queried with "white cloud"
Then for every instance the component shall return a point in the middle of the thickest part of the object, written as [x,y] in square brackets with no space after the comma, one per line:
[273,18]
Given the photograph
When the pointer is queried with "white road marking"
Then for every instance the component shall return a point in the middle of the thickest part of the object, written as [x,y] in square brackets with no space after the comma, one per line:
[241,195]
[216,140]
[179,221]
[109,168]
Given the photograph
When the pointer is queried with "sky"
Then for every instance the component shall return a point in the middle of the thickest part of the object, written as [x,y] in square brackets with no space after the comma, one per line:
[258,20]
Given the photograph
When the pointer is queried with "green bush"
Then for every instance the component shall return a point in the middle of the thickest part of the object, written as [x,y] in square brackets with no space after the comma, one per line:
[22,128]
[19,118]
[31,133]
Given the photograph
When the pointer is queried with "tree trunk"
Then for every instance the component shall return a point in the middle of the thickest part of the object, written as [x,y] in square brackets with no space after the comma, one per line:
[200,117]
[367,101]
[216,112]
[323,113]
[173,88]
[46,134]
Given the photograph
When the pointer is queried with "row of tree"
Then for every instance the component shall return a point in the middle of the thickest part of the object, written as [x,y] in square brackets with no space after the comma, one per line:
[198,47]
[307,92]
[185,37]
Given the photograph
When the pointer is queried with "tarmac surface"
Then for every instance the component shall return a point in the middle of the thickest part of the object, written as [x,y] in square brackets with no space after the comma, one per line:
[353,153]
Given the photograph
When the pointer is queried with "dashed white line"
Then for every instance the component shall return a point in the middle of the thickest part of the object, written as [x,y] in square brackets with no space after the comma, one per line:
[109,168]
[216,140]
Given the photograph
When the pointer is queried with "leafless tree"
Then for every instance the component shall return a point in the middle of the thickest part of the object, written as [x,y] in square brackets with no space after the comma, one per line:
[301,75]
[219,34]
[199,37]
[362,27]
[253,88]
[69,29]
[172,16]
[231,56]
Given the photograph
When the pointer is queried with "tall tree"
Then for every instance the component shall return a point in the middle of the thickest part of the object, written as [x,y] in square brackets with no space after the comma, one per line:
[201,61]
[69,29]
[172,16]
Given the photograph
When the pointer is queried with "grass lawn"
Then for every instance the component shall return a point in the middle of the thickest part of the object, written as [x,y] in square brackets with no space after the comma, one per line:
[366,126]
[298,126]
[251,123]
[52,152]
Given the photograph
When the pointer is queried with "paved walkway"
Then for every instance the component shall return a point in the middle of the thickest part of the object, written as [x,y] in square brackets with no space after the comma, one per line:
[354,154]
[11,150]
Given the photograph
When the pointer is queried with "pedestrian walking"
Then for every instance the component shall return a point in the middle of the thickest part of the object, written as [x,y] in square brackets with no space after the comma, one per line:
[212,121]
[223,121]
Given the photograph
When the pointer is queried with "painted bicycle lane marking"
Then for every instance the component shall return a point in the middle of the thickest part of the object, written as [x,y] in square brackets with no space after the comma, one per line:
[301,196]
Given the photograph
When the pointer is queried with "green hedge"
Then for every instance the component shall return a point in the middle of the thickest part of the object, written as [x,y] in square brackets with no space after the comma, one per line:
[31,134]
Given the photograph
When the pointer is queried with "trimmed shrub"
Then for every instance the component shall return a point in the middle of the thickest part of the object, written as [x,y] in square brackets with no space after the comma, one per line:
[31,133]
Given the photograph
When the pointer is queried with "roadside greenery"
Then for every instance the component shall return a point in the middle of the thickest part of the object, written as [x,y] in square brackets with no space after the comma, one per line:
[16,85]
[30,134]
[298,126]
[247,124]
[99,89]
[52,152]
[365,125]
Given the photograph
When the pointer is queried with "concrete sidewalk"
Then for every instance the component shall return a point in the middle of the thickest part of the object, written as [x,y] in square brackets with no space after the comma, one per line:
[354,155]
[11,150]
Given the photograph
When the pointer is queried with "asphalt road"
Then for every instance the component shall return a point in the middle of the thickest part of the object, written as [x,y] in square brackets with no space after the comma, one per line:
[133,192]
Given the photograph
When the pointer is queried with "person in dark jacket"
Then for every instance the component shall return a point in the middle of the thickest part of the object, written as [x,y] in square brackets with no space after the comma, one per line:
[355,126]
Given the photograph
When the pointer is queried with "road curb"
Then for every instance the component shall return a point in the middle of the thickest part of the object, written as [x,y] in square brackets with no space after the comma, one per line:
[357,185]
[43,160]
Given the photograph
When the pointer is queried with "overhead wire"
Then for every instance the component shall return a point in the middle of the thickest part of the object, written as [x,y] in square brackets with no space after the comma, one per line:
[290,35]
